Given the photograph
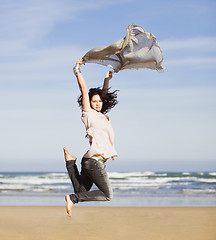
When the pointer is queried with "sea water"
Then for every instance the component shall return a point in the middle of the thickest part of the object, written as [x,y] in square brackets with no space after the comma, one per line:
[130,189]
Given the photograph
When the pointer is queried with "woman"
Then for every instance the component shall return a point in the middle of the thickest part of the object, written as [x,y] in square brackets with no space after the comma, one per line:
[95,103]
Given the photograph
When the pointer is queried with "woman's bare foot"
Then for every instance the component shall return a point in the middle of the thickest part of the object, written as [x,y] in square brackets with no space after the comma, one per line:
[67,155]
[69,205]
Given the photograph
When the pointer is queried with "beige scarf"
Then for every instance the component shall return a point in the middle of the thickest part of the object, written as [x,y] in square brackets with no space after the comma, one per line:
[138,49]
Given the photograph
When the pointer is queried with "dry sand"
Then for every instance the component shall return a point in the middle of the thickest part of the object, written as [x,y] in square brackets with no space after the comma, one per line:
[113,223]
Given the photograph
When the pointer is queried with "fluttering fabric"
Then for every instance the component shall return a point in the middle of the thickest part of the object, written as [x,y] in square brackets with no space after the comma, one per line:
[138,49]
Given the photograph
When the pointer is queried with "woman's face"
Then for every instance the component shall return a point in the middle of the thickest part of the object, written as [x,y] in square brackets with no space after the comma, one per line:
[96,103]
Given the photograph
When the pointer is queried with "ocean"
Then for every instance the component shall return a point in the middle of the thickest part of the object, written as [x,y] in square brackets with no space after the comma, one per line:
[130,189]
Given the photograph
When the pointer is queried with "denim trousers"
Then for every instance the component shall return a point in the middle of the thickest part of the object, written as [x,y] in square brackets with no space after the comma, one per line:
[92,172]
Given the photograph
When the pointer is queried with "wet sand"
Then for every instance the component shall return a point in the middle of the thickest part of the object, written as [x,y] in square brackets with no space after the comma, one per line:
[103,223]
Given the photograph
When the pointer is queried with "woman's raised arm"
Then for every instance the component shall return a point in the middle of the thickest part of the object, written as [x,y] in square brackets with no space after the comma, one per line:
[108,76]
[82,85]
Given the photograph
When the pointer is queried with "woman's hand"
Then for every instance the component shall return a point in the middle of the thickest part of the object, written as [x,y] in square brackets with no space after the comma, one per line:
[76,69]
[108,75]
[79,63]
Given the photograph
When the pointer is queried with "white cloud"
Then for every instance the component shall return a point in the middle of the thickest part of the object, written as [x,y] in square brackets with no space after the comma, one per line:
[200,44]
[56,57]
[48,64]
[31,20]
[191,61]
[190,52]
[25,22]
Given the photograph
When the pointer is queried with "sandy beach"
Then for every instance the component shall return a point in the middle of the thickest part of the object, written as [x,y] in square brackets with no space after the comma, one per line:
[97,223]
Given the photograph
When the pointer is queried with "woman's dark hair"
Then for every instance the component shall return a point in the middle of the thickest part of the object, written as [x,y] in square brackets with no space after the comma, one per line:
[108,98]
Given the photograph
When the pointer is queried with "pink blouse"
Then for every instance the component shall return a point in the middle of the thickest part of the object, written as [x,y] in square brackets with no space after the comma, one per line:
[100,134]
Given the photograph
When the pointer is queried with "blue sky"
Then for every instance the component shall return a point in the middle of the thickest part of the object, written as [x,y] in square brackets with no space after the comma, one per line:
[165,121]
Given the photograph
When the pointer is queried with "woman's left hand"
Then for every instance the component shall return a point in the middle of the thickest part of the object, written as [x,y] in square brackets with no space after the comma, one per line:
[108,76]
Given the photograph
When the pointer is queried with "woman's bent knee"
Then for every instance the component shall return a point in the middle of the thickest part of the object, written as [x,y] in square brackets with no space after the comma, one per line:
[109,196]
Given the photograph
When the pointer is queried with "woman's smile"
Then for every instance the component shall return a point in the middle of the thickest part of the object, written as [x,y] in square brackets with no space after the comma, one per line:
[96,103]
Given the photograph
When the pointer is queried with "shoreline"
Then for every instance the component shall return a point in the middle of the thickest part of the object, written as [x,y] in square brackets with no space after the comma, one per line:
[117,201]
[96,223]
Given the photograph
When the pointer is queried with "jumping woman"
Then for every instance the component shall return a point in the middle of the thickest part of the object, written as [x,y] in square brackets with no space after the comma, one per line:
[95,103]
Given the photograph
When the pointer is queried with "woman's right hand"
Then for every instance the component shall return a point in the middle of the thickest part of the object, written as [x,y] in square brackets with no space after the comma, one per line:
[80,62]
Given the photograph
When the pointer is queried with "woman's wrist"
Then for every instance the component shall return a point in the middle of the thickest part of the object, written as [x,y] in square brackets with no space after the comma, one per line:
[77,67]
[76,70]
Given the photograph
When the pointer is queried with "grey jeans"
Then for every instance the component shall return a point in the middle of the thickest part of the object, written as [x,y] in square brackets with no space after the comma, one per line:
[93,171]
